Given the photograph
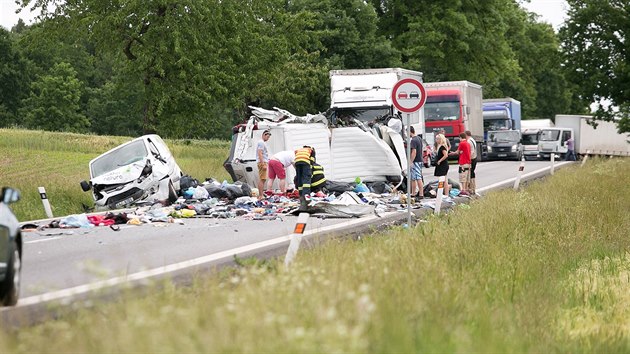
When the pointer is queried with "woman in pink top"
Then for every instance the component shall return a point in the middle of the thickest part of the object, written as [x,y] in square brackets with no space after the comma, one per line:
[277,168]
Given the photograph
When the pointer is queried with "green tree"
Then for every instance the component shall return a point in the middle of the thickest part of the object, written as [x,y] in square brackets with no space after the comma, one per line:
[347,31]
[14,79]
[451,39]
[54,103]
[596,47]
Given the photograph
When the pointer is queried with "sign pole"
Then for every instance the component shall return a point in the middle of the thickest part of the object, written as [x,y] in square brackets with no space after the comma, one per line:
[408,96]
[409,162]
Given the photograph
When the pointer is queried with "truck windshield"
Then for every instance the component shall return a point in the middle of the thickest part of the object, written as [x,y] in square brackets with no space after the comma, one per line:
[123,156]
[361,114]
[549,135]
[505,136]
[496,124]
[439,111]
[530,138]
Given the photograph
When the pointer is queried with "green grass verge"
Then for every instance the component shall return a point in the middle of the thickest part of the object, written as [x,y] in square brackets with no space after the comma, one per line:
[59,161]
[545,269]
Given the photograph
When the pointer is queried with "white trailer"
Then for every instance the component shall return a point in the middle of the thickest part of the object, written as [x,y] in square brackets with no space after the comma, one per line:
[366,94]
[536,123]
[345,152]
[602,140]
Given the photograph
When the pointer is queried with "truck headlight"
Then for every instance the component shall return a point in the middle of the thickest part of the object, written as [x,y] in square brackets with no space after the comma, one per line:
[514,148]
[489,148]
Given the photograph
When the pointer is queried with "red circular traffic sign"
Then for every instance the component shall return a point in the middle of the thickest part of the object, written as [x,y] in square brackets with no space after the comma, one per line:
[408,95]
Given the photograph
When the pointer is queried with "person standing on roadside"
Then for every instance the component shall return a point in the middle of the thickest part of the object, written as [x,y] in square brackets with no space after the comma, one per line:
[463,151]
[441,161]
[448,142]
[570,150]
[416,165]
[262,159]
[278,164]
[472,186]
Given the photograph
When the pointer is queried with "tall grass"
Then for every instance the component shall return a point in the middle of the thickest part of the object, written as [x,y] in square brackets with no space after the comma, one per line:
[59,161]
[544,269]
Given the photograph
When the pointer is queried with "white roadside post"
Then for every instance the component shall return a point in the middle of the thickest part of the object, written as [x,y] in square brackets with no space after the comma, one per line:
[585,157]
[408,96]
[521,168]
[553,161]
[438,198]
[296,238]
[42,194]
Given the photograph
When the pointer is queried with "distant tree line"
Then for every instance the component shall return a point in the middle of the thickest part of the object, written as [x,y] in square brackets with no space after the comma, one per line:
[189,69]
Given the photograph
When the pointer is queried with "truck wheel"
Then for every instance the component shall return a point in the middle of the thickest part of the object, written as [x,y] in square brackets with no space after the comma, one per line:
[10,286]
[172,193]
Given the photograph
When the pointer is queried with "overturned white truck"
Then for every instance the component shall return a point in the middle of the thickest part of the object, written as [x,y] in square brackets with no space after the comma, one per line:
[373,153]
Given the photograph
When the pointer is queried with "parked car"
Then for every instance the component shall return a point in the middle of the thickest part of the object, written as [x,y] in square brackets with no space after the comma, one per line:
[10,249]
[141,170]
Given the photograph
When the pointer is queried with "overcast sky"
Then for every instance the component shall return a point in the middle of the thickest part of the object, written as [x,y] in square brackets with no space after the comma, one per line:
[551,11]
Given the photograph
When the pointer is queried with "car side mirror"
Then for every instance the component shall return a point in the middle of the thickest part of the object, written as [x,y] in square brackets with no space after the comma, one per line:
[10,195]
[85,185]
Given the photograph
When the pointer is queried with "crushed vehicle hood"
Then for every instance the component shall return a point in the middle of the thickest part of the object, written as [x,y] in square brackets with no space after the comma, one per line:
[124,174]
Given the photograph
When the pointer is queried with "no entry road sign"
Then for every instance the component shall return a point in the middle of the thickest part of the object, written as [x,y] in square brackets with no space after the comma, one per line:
[408,95]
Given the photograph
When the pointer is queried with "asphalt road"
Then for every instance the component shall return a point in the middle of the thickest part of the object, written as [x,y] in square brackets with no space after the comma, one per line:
[77,261]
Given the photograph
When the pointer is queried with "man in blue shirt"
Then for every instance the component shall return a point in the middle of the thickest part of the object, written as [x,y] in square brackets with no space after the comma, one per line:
[416,165]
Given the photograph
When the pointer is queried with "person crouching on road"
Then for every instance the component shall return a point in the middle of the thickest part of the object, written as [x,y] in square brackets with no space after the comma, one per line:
[262,158]
[304,157]
[463,150]
[416,165]
[277,169]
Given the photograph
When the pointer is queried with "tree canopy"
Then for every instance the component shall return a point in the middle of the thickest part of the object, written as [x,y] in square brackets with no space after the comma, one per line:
[189,69]
[597,55]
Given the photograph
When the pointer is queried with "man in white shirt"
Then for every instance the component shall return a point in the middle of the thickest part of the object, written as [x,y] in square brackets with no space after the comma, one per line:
[472,187]
[277,168]
[262,159]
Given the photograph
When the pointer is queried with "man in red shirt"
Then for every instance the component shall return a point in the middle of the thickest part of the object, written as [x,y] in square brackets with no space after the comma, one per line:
[463,150]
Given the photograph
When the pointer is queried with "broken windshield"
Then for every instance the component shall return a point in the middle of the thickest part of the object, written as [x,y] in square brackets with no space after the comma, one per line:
[439,111]
[346,115]
[123,156]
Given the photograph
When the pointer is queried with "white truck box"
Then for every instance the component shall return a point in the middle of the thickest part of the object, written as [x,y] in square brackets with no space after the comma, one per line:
[344,152]
[603,140]
[371,88]
[536,123]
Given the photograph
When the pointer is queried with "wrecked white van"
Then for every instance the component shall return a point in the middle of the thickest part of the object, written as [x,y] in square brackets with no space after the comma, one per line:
[370,153]
[141,170]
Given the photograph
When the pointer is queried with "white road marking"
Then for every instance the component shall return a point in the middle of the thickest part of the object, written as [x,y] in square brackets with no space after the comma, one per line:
[82,289]
[510,180]
[43,240]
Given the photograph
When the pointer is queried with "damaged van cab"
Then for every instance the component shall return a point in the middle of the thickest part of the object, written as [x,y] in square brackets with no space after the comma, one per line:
[142,170]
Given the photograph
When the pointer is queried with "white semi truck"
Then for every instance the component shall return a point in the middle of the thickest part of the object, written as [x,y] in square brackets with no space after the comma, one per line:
[602,140]
[530,135]
[366,95]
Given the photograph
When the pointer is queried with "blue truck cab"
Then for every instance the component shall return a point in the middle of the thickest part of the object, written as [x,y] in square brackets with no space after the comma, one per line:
[501,114]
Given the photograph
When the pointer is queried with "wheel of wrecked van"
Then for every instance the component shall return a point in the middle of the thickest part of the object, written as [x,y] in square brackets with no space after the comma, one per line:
[172,193]
[10,286]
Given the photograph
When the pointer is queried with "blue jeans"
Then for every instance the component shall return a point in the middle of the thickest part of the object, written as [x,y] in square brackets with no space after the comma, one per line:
[571,156]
